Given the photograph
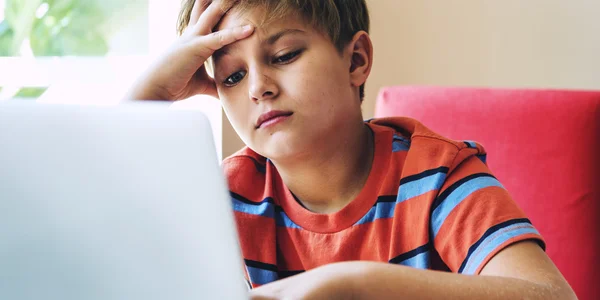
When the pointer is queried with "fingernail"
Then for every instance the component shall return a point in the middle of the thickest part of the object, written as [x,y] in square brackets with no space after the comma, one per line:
[247,28]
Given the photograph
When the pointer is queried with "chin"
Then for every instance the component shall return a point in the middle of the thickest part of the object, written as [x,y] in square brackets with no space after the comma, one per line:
[283,149]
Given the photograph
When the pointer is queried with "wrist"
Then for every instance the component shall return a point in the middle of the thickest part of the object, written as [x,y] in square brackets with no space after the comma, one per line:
[144,93]
[142,89]
[350,278]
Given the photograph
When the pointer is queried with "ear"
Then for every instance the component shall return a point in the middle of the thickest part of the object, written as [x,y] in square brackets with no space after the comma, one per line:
[360,51]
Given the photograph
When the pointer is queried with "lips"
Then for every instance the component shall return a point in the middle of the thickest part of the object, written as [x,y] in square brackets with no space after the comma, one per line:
[271,115]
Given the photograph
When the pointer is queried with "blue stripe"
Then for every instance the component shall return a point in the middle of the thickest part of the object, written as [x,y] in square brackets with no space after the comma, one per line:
[401,138]
[261,276]
[493,241]
[420,261]
[456,197]
[471,144]
[406,191]
[419,187]
[400,144]
[381,210]
[264,208]
[282,220]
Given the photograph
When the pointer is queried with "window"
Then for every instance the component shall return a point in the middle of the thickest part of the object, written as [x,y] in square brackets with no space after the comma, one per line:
[86,51]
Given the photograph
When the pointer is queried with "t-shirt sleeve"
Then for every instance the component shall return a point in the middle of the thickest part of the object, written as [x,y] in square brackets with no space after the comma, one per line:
[474,217]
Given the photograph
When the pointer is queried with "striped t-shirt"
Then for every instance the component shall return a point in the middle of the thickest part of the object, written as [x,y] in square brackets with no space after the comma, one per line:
[429,202]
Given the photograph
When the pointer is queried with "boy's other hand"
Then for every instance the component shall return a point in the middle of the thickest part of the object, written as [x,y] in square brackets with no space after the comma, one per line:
[180,72]
[333,281]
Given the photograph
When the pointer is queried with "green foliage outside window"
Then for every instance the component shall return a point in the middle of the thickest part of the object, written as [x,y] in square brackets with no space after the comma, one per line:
[64,27]
[55,28]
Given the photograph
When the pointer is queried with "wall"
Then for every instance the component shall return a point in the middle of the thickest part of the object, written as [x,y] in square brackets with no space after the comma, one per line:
[509,43]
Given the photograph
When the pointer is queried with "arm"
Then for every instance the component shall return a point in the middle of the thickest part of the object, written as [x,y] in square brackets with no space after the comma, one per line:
[520,271]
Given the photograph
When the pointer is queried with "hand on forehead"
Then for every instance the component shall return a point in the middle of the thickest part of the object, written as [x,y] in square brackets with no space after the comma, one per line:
[234,16]
[207,14]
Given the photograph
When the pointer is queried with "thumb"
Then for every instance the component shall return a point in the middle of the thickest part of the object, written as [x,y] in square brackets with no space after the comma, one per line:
[211,89]
[204,85]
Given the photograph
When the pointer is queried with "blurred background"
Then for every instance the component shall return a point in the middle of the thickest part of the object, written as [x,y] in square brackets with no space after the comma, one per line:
[62,34]
[87,51]
[90,51]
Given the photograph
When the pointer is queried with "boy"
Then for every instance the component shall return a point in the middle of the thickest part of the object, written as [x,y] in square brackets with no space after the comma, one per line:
[327,205]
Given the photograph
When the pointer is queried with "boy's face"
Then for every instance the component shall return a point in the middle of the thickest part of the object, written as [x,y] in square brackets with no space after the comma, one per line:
[294,73]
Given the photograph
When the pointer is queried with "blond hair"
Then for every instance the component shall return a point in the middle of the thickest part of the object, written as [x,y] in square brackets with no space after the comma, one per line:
[338,19]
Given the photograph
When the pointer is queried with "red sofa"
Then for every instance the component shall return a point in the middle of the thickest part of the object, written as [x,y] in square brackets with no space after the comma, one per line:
[543,145]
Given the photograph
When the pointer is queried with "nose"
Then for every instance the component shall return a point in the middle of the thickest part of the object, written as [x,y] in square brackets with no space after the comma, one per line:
[262,86]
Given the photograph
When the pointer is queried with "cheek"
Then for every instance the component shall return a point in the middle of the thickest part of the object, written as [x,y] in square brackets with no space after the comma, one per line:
[234,108]
[238,111]
[311,82]
[320,88]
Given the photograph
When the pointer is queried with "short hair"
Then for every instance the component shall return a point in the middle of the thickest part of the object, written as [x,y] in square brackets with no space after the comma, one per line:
[338,19]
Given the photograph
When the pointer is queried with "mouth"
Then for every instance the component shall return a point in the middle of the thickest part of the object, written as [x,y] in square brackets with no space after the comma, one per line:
[271,118]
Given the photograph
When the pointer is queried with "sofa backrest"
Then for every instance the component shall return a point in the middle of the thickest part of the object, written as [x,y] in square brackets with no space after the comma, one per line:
[543,145]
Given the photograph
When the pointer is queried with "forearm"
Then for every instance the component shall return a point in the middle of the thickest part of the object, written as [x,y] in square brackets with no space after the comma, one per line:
[142,91]
[386,281]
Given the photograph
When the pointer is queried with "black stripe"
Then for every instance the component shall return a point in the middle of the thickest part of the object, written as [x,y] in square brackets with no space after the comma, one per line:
[260,265]
[456,185]
[410,254]
[487,233]
[285,274]
[259,167]
[468,145]
[257,164]
[422,175]
[386,199]
[246,201]
[278,209]
[482,157]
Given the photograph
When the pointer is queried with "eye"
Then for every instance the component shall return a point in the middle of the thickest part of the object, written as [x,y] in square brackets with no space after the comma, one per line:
[286,58]
[234,78]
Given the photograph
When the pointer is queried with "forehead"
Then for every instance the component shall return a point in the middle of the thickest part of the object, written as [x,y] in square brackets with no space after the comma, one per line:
[268,30]
[258,17]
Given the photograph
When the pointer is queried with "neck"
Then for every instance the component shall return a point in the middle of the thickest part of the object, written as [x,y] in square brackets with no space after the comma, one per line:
[327,180]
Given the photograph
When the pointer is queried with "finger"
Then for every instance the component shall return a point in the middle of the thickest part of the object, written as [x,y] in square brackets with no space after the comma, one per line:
[197,10]
[204,84]
[211,17]
[208,44]
[211,90]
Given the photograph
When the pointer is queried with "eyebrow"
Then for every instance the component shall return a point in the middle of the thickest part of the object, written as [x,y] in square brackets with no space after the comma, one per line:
[273,38]
[269,41]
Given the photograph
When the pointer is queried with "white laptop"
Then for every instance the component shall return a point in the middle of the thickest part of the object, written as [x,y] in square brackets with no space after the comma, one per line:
[125,202]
